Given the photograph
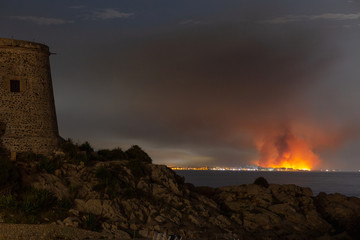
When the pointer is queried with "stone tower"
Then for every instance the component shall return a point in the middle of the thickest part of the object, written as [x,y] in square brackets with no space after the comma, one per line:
[27,110]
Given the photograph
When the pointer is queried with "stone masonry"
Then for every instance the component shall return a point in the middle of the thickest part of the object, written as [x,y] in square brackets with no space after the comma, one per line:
[27,110]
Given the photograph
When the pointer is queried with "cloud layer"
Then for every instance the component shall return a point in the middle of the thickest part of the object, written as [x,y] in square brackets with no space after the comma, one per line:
[324,16]
[42,20]
[203,85]
[109,13]
[217,90]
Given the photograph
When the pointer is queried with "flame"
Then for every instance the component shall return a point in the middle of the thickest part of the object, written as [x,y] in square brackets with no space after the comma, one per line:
[286,151]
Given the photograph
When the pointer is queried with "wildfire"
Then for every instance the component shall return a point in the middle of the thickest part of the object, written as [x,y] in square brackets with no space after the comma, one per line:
[286,151]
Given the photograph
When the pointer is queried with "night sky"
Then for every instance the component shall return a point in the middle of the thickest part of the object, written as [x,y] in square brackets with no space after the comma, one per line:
[202,82]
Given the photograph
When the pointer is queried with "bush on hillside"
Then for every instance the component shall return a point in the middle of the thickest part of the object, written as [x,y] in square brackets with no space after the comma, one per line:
[9,174]
[103,173]
[261,181]
[7,202]
[137,168]
[112,184]
[49,165]
[86,147]
[136,153]
[69,148]
[109,155]
[43,162]
[36,200]
[85,153]
[79,153]
[109,182]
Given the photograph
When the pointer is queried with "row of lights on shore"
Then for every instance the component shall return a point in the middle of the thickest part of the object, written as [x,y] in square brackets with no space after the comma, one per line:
[251,169]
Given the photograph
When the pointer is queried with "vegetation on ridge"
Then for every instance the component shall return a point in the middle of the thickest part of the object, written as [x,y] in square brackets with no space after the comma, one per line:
[85,153]
[21,203]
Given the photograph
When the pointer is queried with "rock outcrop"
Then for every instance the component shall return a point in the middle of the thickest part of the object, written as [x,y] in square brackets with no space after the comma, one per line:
[126,199]
[342,212]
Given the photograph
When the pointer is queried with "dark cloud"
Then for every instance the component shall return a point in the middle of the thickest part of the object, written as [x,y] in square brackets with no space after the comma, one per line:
[212,90]
[206,92]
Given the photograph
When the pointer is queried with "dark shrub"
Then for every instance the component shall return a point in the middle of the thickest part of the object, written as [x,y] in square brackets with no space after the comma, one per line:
[80,157]
[69,148]
[103,173]
[83,153]
[92,222]
[36,200]
[109,182]
[9,174]
[261,181]
[43,162]
[112,184]
[117,154]
[7,202]
[86,147]
[65,203]
[136,153]
[104,155]
[49,165]
[108,155]
[137,168]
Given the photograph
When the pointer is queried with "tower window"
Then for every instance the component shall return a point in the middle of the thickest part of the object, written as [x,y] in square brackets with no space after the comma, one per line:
[14,85]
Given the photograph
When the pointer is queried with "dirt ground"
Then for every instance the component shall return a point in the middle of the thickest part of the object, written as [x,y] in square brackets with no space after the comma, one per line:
[46,232]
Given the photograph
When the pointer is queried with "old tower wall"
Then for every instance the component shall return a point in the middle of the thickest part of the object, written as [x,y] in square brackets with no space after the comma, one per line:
[27,110]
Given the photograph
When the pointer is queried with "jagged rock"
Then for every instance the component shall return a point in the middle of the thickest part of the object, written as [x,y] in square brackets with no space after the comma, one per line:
[282,209]
[238,218]
[71,222]
[220,221]
[341,211]
[145,233]
[207,202]
[144,186]
[341,236]
[161,175]
[159,201]
[286,207]
[51,183]
[194,220]
[159,219]
[104,208]
[74,212]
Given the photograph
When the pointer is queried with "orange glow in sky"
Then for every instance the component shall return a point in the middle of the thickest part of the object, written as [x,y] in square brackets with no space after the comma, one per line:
[287,151]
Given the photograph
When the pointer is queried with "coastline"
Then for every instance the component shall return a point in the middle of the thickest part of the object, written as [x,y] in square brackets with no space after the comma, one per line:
[131,197]
[347,183]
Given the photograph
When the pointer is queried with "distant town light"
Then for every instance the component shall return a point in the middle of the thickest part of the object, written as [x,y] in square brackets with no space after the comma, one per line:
[247,168]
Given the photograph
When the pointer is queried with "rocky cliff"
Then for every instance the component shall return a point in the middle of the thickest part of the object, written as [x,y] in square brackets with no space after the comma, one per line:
[126,198]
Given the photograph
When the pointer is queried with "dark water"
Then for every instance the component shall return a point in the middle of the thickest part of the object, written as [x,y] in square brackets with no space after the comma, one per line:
[347,183]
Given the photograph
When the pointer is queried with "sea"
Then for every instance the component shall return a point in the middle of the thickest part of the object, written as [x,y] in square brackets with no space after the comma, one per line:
[347,183]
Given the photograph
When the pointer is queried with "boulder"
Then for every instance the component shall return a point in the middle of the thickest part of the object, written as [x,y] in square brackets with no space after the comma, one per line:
[341,211]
